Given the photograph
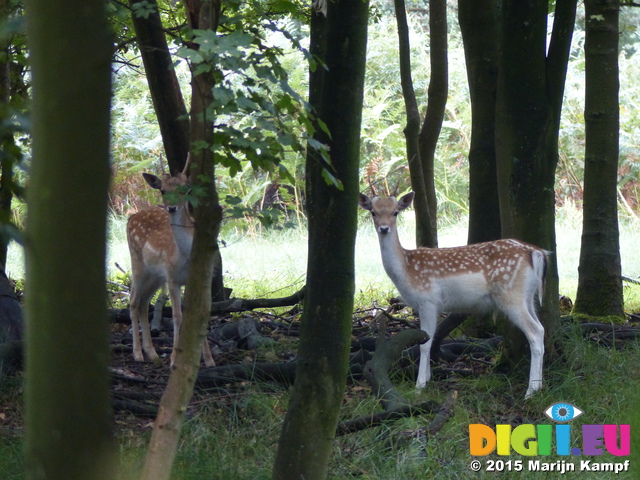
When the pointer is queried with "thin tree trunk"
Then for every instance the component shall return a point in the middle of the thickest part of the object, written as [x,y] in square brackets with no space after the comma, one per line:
[68,405]
[323,354]
[169,106]
[425,234]
[207,215]
[600,280]
[436,103]
[163,86]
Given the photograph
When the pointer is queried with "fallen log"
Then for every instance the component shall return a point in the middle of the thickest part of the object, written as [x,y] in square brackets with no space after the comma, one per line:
[376,370]
[137,408]
[281,373]
[243,305]
[121,315]
[244,332]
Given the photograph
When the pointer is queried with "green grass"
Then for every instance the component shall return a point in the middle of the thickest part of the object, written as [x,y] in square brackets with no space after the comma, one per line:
[235,437]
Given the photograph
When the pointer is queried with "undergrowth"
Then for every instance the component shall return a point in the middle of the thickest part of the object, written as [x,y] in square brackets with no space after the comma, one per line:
[235,434]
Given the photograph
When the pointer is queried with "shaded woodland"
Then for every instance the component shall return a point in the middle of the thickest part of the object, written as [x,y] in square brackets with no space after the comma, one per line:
[242,111]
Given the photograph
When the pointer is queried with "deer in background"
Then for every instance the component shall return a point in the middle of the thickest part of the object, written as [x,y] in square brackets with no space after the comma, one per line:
[160,240]
[502,276]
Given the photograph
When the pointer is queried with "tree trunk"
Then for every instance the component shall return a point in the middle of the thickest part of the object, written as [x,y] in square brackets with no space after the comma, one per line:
[68,406]
[207,216]
[425,233]
[600,281]
[437,101]
[528,105]
[479,20]
[163,86]
[169,106]
[323,353]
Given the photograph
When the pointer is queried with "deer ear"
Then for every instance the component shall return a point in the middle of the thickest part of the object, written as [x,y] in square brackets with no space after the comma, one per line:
[364,202]
[153,181]
[405,200]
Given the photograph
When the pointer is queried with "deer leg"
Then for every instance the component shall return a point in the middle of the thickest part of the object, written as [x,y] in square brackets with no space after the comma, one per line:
[141,293]
[134,312]
[206,353]
[534,331]
[147,343]
[156,322]
[428,321]
[176,311]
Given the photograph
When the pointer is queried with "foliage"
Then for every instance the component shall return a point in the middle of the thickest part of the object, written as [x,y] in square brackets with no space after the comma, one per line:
[14,115]
[245,123]
[273,35]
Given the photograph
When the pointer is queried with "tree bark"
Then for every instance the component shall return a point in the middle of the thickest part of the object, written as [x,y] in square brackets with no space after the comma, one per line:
[600,280]
[436,102]
[163,86]
[479,20]
[197,305]
[68,406]
[169,106]
[323,353]
[425,233]
[528,106]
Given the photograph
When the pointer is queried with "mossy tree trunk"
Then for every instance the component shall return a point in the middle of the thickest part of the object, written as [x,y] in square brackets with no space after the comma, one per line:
[528,104]
[323,354]
[600,281]
[68,405]
[479,19]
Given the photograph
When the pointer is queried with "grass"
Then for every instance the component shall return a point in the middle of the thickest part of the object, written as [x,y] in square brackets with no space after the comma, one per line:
[237,437]
[235,434]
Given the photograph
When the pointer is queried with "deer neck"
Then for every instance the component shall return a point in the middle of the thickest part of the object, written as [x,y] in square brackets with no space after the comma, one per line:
[393,256]
[183,230]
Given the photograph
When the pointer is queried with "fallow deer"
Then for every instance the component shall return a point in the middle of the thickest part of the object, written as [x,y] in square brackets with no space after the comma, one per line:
[501,276]
[160,240]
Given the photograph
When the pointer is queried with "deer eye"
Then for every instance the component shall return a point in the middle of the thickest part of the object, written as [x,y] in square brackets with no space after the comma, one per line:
[373,214]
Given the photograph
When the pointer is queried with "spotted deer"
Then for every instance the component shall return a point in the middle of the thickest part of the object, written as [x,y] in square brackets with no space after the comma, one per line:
[501,276]
[160,240]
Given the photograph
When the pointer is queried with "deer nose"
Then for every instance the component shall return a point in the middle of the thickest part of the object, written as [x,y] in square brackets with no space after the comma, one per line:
[172,209]
[384,229]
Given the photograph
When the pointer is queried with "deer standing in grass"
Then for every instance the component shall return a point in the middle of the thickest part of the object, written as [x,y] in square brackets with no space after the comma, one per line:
[160,240]
[502,276]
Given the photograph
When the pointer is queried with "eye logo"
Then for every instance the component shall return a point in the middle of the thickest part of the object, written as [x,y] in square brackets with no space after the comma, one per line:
[563,412]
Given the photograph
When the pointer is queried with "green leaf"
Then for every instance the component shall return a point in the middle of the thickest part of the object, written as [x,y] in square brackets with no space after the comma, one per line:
[143,9]
[232,200]
[331,179]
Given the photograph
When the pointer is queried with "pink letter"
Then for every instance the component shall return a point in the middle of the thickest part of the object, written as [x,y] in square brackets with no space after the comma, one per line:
[611,437]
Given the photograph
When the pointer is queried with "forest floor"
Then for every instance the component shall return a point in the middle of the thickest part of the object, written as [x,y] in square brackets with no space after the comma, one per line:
[235,417]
